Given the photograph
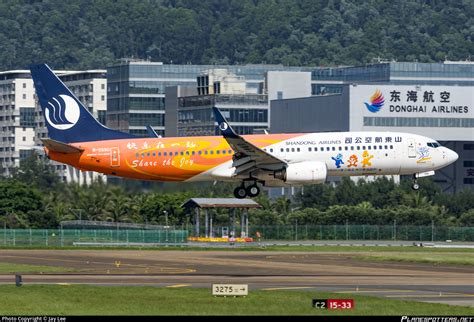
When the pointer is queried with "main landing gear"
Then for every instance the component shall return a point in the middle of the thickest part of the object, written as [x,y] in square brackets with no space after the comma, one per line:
[250,191]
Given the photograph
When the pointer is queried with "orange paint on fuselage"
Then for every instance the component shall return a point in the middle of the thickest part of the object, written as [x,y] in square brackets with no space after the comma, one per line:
[163,159]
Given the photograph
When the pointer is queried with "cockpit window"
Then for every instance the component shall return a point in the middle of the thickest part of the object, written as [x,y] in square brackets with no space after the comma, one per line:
[433,144]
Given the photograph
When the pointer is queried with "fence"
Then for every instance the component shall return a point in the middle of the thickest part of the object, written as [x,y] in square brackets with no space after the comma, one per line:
[356,232]
[69,237]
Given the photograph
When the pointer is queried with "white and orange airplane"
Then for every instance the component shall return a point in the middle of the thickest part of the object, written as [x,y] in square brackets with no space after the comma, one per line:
[78,139]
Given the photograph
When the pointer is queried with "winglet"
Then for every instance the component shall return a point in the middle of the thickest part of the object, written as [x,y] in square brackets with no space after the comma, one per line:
[151,131]
[226,130]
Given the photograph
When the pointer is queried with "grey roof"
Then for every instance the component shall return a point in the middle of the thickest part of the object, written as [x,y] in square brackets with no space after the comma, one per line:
[220,203]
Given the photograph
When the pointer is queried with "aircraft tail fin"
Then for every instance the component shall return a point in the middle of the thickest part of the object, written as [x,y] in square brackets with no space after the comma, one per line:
[66,118]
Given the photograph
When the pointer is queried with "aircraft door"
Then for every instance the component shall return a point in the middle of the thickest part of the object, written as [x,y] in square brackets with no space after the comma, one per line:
[114,157]
[411,148]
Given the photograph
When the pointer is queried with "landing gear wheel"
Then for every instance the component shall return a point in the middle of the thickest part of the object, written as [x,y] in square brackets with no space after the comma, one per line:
[253,190]
[415,186]
[240,192]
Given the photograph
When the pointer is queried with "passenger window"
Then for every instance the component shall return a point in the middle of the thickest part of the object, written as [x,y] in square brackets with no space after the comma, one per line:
[297,149]
[205,152]
[224,151]
[218,152]
[386,147]
[143,155]
[165,153]
[358,147]
[352,148]
[380,147]
[346,148]
[193,153]
[309,149]
[281,150]
[363,148]
[375,147]
[154,154]
[271,150]
[199,152]
[391,147]
[211,152]
[159,154]
[230,151]
[148,154]
[176,153]
[340,148]
[187,152]
[334,148]
[137,155]
[368,148]
[328,149]
[182,153]
[315,149]
[292,149]
[287,149]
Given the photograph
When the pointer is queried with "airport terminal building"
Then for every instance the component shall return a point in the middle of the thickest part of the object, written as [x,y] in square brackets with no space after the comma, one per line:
[430,99]
[136,91]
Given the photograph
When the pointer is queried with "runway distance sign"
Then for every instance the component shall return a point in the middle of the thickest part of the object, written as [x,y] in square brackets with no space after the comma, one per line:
[230,289]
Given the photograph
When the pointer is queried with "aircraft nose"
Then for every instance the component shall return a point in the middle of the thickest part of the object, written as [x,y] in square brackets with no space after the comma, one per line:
[451,156]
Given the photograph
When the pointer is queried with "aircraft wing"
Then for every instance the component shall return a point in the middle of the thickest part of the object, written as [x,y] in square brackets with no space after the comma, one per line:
[247,157]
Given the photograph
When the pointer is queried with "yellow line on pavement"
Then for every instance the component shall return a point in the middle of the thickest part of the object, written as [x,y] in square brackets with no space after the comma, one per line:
[178,285]
[286,288]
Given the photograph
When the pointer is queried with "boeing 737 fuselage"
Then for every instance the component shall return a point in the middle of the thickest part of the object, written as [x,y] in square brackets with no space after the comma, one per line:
[77,139]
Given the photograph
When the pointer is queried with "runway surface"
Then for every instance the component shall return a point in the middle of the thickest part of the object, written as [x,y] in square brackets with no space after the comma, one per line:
[312,271]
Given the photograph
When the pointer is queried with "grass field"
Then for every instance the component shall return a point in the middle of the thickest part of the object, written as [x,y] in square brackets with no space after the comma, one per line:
[123,300]
[8,268]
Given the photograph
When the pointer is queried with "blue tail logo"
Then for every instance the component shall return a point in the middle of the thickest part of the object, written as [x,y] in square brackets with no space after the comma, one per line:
[66,117]
[62,113]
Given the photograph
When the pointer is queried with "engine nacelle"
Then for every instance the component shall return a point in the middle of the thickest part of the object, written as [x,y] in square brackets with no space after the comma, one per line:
[306,172]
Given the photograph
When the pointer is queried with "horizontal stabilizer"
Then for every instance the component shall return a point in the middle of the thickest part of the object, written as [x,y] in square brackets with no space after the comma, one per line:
[60,147]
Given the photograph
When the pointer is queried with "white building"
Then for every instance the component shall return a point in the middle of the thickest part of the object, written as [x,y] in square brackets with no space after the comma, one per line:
[17,118]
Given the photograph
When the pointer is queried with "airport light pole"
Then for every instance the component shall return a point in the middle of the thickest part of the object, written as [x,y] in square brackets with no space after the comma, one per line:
[166,225]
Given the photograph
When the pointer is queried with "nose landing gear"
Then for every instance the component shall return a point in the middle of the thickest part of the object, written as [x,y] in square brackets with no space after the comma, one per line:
[415,185]
[251,191]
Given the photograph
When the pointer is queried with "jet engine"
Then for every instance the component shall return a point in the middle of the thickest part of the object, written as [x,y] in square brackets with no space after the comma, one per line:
[306,172]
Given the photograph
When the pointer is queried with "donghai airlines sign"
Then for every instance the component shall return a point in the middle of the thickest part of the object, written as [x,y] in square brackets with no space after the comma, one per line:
[413,101]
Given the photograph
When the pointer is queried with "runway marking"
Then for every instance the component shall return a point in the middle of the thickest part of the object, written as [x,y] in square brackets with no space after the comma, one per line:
[178,285]
[408,291]
[168,269]
[286,288]
[374,291]
[431,295]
